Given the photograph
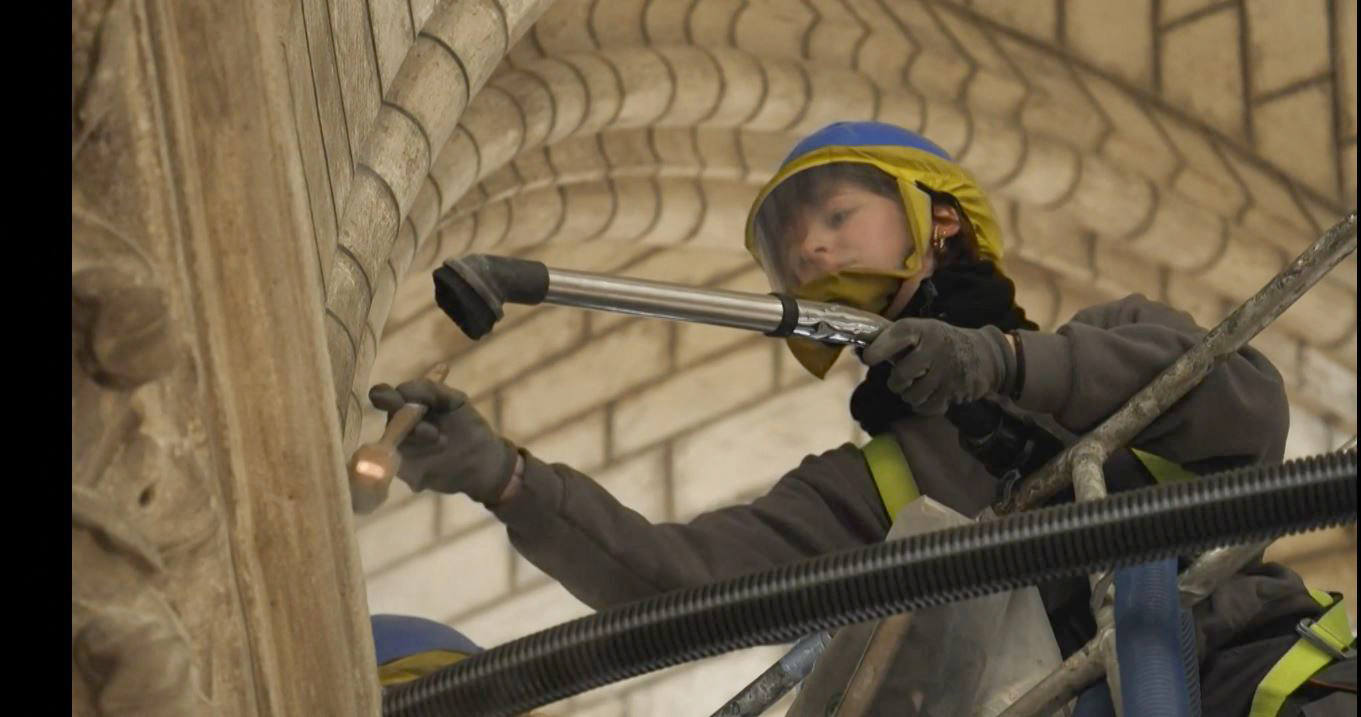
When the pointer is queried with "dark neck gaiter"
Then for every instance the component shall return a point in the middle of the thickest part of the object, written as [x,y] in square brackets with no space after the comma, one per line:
[969,294]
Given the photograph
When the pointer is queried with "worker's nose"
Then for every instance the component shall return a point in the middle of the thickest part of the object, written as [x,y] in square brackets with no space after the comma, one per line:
[821,251]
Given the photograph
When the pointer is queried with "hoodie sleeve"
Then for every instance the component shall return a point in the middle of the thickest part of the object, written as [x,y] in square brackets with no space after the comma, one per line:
[605,554]
[1088,368]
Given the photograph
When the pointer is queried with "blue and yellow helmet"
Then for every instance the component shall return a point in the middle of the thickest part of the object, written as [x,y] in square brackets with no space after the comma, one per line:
[409,647]
[914,162]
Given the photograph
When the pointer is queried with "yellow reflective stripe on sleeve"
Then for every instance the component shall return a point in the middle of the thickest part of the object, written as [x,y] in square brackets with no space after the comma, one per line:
[892,476]
[1163,470]
[1305,658]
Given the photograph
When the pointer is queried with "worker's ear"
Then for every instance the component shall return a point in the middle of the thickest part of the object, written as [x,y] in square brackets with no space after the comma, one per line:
[945,219]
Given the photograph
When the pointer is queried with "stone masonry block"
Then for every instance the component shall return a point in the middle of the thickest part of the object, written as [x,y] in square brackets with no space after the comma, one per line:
[1035,291]
[606,367]
[455,168]
[491,227]
[1206,179]
[1181,234]
[436,585]
[368,225]
[710,23]
[579,158]
[947,124]
[1109,200]
[521,614]
[693,396]
[681,211]
[836,35]
[1173,10]
[1325,315]
[397,533]
[773,29]
[421,10]
[535,171]
[753,448]
[1136,140]
[621,21]
[348,298]
[579,444]
[719,154]
[835,95]
[589,209]
[437,108]
[1038,19]
[535,104]
[1054,240]
[725,213]
[1288,42]
[648,85]
[743,77]
[902,108]
[1246,265]
[1191,295]
[355,67]
[664,23]
[536,216]
[475,31]
[996,152]
[785,98]
[1328,383]
[1119,272]
[937,70]
[501,357]
[698,85]
[1295,132]
[570,98]
[398,151]
[1047,174]
[493,123]
[1057,106]
[629,151]
[884,55]
[1115,37]
[1309,435]
[563,27]
[458,513]
[1202,72]
[521,15]
[637,201]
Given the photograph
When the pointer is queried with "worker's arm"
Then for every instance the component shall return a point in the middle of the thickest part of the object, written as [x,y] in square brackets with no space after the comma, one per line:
[1088,368]
[605,554]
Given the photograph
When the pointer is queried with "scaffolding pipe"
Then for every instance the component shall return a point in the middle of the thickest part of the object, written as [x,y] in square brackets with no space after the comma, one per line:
[1186,373]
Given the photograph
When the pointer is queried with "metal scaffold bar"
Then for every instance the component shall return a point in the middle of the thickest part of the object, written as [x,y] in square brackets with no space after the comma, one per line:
[1229,336]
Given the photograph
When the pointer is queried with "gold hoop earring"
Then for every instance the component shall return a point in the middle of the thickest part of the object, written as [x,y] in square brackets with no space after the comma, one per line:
[938,243]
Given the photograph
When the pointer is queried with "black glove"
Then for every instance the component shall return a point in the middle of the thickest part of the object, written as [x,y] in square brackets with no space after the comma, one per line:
[936,365]
[452,449]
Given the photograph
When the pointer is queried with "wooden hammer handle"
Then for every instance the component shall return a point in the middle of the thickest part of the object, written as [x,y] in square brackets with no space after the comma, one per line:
[409,416]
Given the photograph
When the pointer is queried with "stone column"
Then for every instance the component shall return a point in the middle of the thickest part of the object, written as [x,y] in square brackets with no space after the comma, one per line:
[213,563]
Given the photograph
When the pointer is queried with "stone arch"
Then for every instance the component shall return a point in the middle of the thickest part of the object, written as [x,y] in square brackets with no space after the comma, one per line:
[576,74]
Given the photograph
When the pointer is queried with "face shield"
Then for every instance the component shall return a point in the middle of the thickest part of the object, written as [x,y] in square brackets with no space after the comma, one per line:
[778,225]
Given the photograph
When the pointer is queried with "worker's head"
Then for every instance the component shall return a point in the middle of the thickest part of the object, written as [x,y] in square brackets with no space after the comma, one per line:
[860,213]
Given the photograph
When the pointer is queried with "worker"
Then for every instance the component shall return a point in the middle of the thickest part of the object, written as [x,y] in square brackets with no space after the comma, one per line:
[879,218]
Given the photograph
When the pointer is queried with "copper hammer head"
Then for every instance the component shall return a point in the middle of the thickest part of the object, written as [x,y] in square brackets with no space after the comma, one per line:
[373,465]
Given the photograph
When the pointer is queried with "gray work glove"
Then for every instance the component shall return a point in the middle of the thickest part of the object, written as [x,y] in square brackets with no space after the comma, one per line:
[452,449]
[936,365]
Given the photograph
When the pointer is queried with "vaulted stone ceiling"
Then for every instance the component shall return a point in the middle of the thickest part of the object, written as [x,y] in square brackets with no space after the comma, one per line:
[1185,150]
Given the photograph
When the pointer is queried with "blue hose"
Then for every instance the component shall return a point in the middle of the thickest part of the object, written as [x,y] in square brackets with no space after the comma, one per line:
[1148,641]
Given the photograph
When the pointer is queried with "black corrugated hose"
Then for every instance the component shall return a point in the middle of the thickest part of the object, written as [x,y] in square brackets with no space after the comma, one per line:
[1248,504]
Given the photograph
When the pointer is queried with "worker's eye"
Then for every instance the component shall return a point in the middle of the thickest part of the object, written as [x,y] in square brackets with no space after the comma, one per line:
[838,217]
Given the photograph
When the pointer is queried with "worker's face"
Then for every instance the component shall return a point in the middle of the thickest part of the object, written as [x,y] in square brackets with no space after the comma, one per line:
[848,227]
